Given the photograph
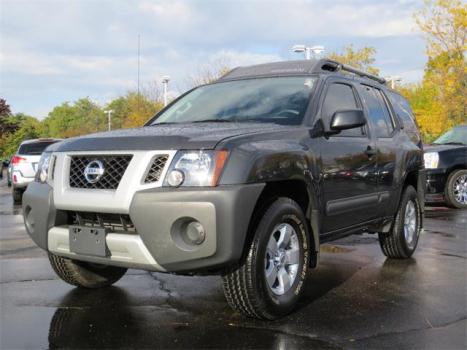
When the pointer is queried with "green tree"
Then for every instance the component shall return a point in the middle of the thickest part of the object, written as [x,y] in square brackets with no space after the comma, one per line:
[359,58]
[133,109]
[81,117]
[27,128]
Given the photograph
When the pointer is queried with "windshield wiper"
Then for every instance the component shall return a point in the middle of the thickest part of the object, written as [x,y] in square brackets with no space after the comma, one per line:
[214,121]
[163,123]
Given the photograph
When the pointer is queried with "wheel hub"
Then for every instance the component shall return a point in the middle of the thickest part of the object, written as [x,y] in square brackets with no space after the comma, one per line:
[279,258]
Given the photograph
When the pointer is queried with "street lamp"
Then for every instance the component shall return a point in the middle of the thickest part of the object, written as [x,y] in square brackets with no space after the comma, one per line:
[394,79]
[165,84]
[309,51]
[109,113]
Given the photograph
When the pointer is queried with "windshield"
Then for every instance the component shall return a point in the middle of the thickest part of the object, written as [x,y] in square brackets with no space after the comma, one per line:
[454,136]
[269,100]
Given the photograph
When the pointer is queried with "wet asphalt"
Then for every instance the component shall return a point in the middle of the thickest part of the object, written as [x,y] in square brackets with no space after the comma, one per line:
[355,299]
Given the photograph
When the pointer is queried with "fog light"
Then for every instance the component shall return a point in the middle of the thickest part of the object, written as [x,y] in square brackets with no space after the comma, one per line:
[195,233]
[175,178]
[188,233]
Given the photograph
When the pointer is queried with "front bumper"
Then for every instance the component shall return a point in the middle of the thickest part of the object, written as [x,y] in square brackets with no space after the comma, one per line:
[224,212]
[435,184]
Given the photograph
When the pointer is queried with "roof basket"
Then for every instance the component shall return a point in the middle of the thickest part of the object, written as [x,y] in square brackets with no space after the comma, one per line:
[334,66]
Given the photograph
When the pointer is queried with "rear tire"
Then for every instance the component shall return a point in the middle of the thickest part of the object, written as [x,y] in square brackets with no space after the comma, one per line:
[84,274]
[17,195]
[455,189]
[270,279]
[401,241]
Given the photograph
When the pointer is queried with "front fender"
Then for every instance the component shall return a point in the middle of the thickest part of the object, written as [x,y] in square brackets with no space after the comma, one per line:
[277,161]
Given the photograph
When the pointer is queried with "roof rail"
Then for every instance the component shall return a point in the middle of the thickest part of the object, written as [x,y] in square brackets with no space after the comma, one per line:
[334,66]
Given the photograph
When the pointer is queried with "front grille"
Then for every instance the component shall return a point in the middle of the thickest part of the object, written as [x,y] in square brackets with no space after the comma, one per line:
[113,222]
[114,168]
[156,168]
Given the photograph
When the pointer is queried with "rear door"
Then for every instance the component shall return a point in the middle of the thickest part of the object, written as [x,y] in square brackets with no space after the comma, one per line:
[349,183]
[384,128]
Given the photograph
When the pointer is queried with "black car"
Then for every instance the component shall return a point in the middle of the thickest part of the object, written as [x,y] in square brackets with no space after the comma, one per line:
[446,164]
[245,178]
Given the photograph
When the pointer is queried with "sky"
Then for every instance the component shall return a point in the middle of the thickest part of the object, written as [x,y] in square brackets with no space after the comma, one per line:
[57,51]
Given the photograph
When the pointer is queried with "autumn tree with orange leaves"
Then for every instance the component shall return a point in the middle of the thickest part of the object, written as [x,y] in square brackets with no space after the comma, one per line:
[440,100]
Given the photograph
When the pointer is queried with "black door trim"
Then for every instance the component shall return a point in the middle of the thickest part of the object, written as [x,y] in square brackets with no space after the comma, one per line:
[339,206]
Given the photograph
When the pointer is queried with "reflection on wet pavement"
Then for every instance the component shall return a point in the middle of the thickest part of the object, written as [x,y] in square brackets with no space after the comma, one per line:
[355,299]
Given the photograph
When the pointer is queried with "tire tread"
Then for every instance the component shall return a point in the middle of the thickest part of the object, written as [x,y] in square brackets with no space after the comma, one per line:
[73,273]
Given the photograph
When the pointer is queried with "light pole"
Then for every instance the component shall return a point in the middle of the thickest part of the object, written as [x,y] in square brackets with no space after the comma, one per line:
[109,112]
[165,84]
[394,79]
[309,51]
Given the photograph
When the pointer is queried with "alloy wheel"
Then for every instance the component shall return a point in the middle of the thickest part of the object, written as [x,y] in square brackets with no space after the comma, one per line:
[282,258]
[410,223]
[460,189]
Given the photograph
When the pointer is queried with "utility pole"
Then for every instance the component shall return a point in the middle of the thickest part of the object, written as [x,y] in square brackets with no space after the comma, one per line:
[165,84]
[309,51]
[109,113]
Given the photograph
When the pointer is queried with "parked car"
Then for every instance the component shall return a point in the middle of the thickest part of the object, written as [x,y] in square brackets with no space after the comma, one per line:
[446,164]
[244,178]
[24,164]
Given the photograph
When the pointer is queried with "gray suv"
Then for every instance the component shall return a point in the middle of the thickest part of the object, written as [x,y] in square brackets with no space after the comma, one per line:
[244,178]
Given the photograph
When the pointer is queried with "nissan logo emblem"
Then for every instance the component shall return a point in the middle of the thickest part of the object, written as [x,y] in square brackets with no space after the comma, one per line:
[94,171]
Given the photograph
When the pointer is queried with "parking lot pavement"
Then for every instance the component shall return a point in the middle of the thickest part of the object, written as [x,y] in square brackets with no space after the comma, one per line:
[355,299]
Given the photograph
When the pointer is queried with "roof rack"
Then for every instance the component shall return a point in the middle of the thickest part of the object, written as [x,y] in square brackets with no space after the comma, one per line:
[285,68]
[334,66]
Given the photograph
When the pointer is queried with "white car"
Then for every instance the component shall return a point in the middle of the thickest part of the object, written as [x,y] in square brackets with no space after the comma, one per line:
[24,164]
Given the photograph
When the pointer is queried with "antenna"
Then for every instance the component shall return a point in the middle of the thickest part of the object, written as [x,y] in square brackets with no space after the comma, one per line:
[139,56]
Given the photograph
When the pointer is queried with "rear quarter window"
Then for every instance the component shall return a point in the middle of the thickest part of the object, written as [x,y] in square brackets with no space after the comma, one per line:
[35,148]
[403,110]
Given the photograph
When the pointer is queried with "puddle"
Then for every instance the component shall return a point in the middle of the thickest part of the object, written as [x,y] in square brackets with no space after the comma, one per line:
[334,249]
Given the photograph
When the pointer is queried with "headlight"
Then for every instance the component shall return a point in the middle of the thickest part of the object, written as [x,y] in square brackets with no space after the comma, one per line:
[196,168]
[431,160]
[42,173]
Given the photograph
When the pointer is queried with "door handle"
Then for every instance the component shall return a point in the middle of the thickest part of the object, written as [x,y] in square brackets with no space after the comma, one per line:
[370,152]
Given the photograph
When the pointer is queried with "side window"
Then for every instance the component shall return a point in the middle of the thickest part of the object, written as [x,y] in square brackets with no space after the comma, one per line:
[338,97]
[378,111]
[403,110]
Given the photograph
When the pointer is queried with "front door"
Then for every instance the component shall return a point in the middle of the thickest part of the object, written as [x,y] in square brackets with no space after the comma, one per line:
[349,188]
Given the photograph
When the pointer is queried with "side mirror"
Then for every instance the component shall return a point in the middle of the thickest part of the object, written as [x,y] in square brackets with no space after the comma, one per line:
[347,119]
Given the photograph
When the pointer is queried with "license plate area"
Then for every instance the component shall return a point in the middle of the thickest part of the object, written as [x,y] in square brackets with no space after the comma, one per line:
[88,240]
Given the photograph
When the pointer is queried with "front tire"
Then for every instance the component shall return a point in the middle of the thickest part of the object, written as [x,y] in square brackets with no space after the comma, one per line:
[270,279]
[84,274]
[401,241]
[455,192]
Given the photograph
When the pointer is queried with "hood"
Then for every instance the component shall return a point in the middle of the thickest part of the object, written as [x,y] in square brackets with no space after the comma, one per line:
[162,137]
[440,148]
